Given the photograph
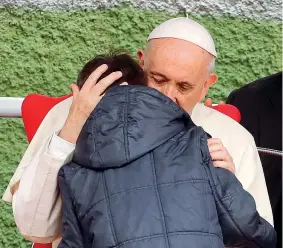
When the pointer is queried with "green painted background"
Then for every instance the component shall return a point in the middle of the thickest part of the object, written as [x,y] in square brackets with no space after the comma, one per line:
[43,52]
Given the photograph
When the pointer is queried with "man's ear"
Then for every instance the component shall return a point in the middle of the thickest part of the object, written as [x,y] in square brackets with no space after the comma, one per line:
[141,57]
[210,81]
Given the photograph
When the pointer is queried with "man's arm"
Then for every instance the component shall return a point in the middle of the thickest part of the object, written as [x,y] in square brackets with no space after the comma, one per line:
[231,97]
[36,203]
[251,114]
[250,173]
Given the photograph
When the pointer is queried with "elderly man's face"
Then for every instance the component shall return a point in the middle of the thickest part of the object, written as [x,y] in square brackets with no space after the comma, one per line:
[178,69]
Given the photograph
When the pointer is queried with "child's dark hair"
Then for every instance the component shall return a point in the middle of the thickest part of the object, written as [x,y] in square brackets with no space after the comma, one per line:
[133,74]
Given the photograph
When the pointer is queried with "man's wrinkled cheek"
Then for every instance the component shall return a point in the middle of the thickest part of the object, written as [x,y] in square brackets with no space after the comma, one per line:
[188,103]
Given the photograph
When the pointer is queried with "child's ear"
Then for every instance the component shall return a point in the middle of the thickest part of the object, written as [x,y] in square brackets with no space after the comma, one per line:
[141,55]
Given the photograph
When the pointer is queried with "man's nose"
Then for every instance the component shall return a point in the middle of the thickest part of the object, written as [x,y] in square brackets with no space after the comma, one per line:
[170,92]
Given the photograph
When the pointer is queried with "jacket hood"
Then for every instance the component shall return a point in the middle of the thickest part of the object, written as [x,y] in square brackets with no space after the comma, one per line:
[128,122]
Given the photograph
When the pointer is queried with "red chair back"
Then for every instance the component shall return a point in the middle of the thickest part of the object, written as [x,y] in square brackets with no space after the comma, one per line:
[34,108]
[229,110]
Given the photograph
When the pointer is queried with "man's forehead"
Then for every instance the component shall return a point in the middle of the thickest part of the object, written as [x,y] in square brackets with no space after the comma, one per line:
[175,52]
[173,46]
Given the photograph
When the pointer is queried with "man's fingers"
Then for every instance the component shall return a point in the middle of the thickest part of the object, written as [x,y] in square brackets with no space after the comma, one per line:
[104,83]
[75,90]
[219,156]
[224,165]
[92,79]
[208,102]
[215,147]
[212,141]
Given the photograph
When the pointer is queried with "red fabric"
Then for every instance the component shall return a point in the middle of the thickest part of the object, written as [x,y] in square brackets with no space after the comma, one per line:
[42,245]
[229,110]
[35,107]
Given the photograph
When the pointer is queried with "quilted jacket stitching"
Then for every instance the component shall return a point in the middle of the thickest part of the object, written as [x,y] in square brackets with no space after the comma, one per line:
[158,199]
[109,210]
[217,196]
[125,127]
[124,192]
[169,234]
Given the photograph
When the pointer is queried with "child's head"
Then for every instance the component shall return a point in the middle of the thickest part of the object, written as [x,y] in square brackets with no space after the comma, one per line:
[133,74]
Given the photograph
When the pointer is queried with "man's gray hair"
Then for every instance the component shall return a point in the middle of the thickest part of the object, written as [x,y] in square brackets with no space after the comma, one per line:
[211,65]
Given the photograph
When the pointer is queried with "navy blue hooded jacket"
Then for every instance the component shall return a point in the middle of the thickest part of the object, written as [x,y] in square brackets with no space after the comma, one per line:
[142,177]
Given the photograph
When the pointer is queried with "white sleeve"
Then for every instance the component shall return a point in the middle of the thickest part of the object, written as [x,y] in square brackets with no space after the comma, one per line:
[60,148]
[250,173]
[37,203]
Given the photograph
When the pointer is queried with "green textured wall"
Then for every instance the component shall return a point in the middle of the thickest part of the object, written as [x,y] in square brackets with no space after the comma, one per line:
[42,52]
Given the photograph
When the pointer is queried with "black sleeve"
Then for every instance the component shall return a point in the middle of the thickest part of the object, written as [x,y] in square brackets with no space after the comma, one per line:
[71,233]
[251,106]
[231,98]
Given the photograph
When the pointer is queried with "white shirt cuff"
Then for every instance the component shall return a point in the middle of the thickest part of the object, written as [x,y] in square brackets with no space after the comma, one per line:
[60,148]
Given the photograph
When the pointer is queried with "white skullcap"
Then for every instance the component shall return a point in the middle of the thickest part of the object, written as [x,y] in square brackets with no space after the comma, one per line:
[185,29]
